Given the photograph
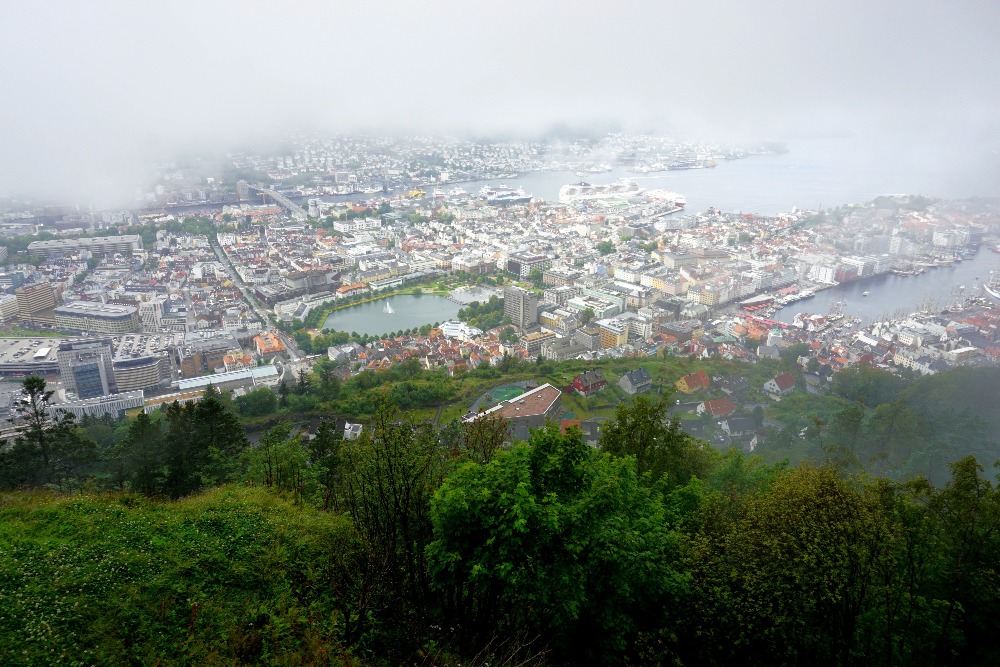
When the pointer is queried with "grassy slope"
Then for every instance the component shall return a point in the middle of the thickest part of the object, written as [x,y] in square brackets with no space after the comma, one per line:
[232,576]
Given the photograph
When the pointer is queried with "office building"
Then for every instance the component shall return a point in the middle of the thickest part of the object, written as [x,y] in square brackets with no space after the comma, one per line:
[520,306]
[86,366]
[96,317]
[34,299]
[99,245]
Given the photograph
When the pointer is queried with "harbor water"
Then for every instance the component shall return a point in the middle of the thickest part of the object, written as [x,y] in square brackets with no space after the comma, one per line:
[891,295]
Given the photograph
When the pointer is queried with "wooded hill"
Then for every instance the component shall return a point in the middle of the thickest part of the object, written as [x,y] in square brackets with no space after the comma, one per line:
[419,544]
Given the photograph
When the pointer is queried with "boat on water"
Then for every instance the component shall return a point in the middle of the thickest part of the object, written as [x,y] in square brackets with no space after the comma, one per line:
[503,194]
[993,286]
[623,188]
[438,192]
[667,196]
[865,293]
[457,192]
[387,309]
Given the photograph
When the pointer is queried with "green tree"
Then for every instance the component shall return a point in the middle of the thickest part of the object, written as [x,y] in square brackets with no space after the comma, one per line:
[605,247]
[645,432]
[143,455]
[48,449]
[790,577]
[552,539]
[388,476]
[586,315]
[257,403]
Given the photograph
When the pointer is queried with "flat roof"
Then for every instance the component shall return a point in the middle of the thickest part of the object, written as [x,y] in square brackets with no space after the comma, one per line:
[529,404]
[95,308]
[257,374]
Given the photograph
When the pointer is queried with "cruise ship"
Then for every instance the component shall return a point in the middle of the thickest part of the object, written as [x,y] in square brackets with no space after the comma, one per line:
[620,189]
[667,196]
[504,195]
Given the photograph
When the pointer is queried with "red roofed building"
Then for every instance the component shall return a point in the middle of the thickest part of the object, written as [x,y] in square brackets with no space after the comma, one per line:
[693,382]
[268,343]
[589,382]
[720,407]
[780,384]
[527,411]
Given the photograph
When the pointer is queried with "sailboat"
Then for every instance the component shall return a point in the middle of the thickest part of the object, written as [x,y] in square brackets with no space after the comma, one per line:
[387,309]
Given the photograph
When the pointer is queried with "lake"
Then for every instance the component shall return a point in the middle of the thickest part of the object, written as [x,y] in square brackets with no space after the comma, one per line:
[410,311]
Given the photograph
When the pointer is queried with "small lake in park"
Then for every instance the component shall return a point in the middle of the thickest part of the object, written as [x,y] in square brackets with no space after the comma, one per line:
[408,311]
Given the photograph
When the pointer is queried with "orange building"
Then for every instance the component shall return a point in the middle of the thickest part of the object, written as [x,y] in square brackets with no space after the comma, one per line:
[693,382]
[268,343]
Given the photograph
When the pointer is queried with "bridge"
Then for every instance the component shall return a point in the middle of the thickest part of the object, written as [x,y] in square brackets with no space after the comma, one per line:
[297,211]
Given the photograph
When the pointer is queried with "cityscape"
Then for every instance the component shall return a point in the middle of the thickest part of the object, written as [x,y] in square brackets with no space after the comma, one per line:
[224,277]
[466,334]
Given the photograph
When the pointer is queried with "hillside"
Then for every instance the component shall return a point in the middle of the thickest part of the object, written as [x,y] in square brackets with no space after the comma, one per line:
[232,576]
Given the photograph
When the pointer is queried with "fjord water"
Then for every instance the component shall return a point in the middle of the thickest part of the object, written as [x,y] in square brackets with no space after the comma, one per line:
[891,295]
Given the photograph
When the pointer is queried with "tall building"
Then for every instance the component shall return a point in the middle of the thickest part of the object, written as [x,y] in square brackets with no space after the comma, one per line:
[33,299]
[520,306]
[86,366]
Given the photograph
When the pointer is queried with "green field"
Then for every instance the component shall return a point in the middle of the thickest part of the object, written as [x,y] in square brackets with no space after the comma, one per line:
[505,393]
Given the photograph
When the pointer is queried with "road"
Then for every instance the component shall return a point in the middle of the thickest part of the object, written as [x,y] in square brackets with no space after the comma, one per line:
[294,352]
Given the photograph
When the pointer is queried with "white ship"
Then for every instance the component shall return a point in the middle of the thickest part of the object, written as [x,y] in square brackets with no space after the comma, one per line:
[620,189]
[993,286]
[503,194]
[667,196]
[387,309]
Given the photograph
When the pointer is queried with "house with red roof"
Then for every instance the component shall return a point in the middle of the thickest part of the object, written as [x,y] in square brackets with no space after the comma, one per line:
[780,385]
[720,407]
[693,382]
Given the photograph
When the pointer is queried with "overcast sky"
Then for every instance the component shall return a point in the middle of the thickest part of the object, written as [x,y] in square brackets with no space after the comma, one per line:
[92,89]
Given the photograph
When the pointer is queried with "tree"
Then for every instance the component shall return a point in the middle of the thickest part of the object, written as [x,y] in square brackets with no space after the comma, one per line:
[789,576]
[605,247]
[143,455]
[586,315]
[257,403]
[550,538]
[49,449]
[389,474]
[279,461]
[660,448]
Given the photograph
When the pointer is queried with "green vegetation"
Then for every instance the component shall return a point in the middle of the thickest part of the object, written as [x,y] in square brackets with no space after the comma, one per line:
[484,316]
[169,538]
[233,576]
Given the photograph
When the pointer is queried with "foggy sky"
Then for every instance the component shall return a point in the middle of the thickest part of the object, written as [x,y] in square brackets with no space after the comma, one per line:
[93,90]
